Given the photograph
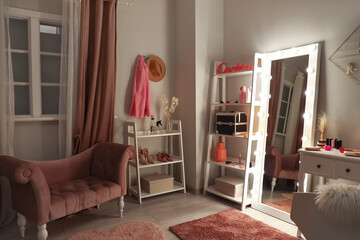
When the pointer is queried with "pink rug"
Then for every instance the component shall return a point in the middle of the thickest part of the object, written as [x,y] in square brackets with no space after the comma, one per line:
[229,224]
[137,230]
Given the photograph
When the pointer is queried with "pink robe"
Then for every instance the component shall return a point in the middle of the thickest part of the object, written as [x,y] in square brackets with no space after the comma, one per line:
[140,105]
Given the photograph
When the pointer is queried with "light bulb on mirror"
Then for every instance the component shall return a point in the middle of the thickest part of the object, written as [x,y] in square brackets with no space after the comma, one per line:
[304,138]
[261,114]
[311,48]
[308,92]
[310,70]
[307,116]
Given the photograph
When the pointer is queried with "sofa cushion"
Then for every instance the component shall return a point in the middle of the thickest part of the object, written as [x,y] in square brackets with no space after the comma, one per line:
[75,195]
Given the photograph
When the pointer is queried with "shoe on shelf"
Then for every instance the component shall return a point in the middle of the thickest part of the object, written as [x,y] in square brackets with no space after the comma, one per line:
[149,159]
[160,157]
[167,156]
[142,158]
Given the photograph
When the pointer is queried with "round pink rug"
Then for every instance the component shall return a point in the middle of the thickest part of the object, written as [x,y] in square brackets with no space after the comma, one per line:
[128,231]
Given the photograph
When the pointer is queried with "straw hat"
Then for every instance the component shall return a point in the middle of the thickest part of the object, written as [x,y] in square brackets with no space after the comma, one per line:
[156,67]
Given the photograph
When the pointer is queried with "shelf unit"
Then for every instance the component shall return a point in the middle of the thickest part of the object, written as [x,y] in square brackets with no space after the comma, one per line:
[219,87]
[133,136]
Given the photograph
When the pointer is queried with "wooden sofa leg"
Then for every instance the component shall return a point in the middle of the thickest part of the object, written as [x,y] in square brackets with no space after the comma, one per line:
[21,222]
[98,206]
[121,205]
[42,232]
[273,184]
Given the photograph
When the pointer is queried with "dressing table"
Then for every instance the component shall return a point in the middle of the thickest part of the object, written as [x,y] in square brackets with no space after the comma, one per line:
[329,164]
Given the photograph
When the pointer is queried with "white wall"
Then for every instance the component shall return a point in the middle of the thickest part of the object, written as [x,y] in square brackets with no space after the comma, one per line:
[262,26]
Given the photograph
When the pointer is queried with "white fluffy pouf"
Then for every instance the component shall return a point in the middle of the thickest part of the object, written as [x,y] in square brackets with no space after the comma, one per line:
[339,202]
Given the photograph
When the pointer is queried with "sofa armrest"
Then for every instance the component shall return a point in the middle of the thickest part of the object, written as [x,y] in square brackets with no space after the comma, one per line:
[29,186]
[110,162]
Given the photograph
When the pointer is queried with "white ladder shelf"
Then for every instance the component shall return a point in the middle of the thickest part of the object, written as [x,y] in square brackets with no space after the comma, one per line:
[131,133]
[245,170]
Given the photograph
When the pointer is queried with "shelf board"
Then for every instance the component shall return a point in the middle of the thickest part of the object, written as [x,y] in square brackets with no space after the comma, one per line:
[157,163]
[234,74]
[218,104]
[177,187]
[223,164]
[160,133]
[227,135]
[234,136]
[211,189]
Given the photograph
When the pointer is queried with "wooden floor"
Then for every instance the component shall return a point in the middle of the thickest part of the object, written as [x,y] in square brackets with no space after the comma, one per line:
[164,211]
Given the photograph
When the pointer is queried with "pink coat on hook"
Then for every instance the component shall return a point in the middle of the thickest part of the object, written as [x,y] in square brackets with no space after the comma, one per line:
[140,105]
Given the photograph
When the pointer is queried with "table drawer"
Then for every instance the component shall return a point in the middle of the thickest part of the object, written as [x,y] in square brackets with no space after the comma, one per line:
[318,166]
[347,170]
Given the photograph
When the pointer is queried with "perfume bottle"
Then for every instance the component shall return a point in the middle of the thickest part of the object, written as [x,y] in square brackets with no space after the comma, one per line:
[242,94]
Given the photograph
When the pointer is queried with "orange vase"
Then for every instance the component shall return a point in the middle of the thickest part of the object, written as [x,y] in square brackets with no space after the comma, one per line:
[220,152]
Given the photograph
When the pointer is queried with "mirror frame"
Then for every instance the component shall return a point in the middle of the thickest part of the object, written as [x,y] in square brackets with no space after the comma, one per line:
[262,76]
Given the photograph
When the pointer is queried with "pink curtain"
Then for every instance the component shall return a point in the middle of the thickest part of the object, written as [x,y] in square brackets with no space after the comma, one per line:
[276,67]
[297,142]
[97,75]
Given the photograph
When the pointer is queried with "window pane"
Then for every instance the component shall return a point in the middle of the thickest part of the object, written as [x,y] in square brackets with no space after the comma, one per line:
[286,92]
[22,100]
[20,65]
[283,108]
[50,38]
[280,126]
[18,34]
[50,69]
[50,100]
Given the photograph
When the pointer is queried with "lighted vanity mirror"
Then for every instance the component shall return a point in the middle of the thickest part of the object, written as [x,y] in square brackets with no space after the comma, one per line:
[287,83]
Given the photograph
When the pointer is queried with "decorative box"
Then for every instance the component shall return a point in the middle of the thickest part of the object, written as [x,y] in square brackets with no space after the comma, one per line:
[231,123]
[231,117]
[228,185]
[157,183]
[231,128]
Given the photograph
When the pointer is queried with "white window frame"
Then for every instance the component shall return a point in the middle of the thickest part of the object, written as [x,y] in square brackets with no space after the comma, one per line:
[34,19]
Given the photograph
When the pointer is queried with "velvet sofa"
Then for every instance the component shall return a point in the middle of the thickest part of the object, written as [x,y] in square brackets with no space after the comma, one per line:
[43,191]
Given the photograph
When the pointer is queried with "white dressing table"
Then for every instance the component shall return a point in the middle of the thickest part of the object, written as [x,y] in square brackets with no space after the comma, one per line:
[329,164]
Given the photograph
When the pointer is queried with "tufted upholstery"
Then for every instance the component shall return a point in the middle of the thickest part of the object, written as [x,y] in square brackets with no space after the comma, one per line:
[73,196]
[46,190]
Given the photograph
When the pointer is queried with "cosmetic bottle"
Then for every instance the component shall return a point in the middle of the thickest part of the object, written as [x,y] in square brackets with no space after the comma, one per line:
[248,95]
[242,94]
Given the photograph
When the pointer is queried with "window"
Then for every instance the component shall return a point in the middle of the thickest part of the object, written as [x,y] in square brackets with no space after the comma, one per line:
[35,46]
[284,109]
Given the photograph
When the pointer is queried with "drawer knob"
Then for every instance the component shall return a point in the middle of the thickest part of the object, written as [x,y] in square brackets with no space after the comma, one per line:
[347,170]
[318,166]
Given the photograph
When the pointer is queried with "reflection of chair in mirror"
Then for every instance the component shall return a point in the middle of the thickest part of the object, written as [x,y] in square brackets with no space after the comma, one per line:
[281,166]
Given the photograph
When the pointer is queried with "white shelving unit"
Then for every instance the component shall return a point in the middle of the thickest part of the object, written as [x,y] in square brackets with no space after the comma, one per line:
[133,136]
[219,86]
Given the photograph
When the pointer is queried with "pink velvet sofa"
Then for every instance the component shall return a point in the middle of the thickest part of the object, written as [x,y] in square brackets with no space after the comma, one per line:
[43,191]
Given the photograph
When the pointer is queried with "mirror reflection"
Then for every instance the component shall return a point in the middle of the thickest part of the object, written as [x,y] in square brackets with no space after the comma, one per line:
[284,131]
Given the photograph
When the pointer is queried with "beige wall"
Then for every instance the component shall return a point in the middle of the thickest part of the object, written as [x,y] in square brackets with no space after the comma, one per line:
[209,48]
[262,26]
[147,28]
[184,84]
